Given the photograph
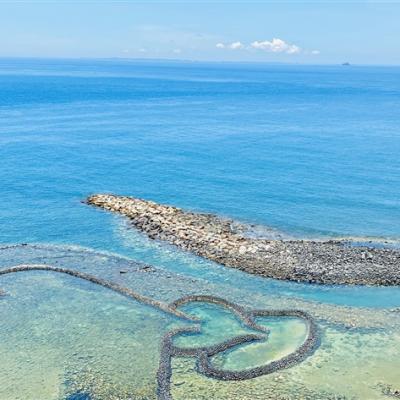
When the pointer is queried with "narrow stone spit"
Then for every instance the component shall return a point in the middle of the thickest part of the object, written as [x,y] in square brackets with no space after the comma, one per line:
[223,241]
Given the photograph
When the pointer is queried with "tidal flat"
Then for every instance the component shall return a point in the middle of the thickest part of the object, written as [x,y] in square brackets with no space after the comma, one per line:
[62,337]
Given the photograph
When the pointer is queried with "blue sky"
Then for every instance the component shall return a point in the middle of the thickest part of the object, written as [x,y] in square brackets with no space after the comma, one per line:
[277,31]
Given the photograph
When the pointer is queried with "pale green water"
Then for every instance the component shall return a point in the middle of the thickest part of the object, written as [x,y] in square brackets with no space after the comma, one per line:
[61,337]
[59,334]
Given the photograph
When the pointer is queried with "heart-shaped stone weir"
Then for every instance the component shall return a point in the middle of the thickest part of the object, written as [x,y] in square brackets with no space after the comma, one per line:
[205,353]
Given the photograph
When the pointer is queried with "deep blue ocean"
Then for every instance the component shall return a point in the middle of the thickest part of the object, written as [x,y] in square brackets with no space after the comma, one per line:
[305,151]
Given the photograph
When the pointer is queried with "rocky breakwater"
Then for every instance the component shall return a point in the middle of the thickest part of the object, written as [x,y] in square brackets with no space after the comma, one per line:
[223,241]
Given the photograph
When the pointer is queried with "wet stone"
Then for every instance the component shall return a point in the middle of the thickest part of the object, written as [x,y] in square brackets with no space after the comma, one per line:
[224,241]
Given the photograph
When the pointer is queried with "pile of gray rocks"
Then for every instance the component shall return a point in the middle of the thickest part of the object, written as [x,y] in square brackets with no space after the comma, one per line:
[219,239]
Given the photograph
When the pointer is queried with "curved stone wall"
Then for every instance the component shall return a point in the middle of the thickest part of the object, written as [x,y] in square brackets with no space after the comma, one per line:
[202,354]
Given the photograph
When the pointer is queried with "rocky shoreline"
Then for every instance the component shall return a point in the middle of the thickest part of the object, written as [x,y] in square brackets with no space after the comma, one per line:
[223,241]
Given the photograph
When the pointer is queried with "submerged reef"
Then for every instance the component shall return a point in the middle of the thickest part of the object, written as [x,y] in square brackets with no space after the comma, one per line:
[203,355]
[223,241]
[390,391]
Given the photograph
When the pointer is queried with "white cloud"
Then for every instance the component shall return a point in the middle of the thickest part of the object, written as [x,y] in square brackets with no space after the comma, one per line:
[232,46]
[315,52]
[276,46]
[177,51]
[236,46]
[272,46]
[293,49]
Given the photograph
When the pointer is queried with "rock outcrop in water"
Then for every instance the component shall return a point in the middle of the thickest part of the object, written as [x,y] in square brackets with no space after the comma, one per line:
[219,240]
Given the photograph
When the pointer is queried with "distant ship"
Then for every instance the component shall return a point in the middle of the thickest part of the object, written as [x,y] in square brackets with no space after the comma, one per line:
[346,64]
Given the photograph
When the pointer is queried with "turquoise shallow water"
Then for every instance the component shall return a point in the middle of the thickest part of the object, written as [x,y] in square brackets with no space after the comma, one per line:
[301,151]
[306,151]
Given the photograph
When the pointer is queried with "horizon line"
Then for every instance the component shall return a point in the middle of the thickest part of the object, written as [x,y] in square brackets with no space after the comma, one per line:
[188,61]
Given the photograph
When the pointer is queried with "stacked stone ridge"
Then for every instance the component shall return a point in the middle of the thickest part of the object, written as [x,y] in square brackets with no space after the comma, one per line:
[223,241]
[203,354]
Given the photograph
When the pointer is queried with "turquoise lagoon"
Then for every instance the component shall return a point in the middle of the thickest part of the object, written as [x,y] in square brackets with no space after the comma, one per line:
[294,151]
